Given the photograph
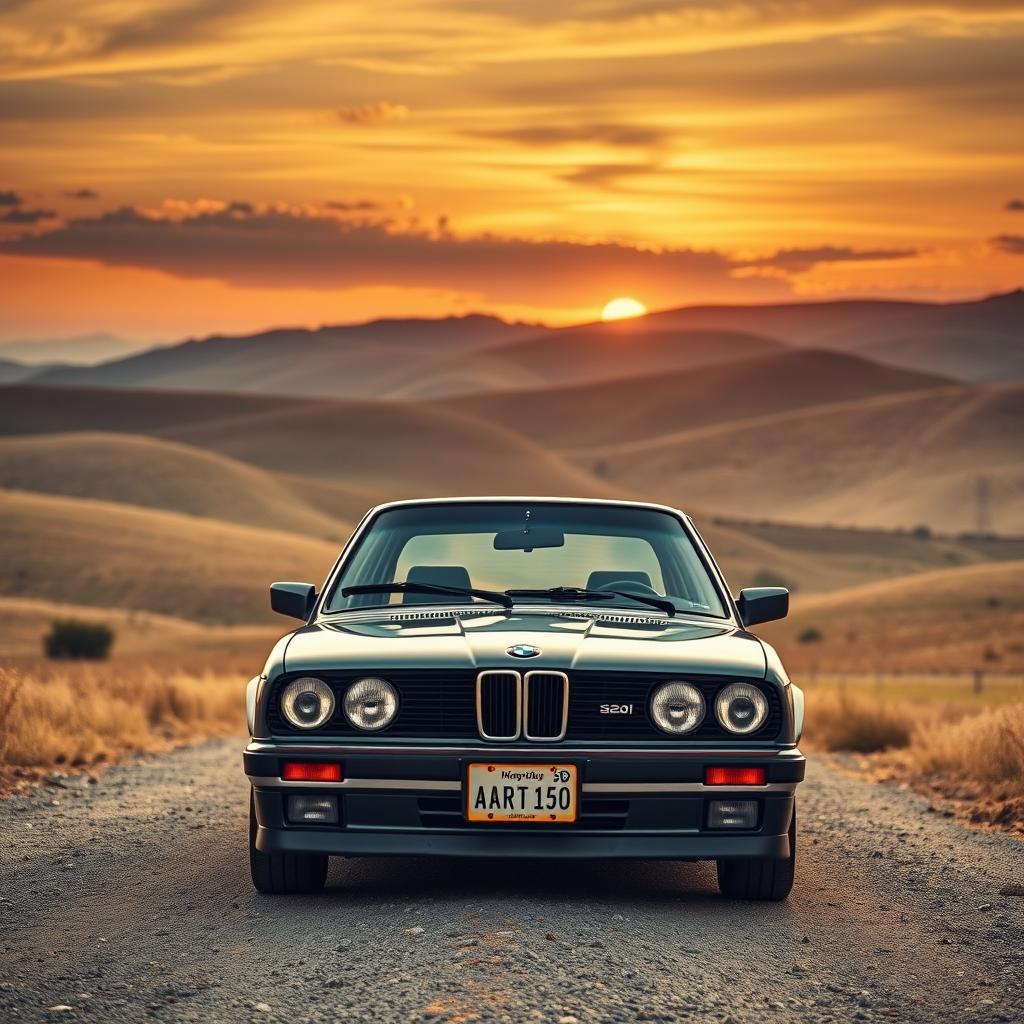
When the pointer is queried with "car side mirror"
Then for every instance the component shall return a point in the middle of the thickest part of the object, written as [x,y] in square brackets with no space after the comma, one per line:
[762,604]
[294,599]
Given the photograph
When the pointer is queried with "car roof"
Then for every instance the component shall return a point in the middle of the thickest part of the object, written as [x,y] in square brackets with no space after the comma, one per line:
[491,499]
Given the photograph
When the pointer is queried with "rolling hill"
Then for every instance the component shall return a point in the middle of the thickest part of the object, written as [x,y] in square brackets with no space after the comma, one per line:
[622,348]
[890,460]
[372,451]
[966,355]
[160,474]
[652,407]
[136,634]
[952,620]
[78,551]
[12,372]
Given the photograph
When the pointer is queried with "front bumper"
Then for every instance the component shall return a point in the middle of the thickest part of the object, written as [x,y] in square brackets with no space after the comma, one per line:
[634,803]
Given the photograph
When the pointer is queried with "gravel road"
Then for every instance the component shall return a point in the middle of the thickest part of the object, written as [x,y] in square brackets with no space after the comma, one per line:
[129,898]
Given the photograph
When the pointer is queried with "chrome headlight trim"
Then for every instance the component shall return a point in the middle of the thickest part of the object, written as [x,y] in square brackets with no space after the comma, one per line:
[731,719]
[370,704]
[677,707]
[297,707]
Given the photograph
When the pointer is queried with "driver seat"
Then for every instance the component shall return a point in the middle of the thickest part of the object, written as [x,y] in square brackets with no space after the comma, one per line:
[438,576]
[602,577]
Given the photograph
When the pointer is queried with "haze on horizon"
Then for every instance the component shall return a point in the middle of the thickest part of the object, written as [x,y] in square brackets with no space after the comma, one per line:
[182,167]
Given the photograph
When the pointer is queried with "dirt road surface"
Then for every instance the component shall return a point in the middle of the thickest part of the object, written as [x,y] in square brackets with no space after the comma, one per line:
[128,899]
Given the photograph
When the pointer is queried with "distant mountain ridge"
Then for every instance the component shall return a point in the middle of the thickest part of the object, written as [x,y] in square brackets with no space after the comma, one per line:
[981,339]
[81,349]
[420,359]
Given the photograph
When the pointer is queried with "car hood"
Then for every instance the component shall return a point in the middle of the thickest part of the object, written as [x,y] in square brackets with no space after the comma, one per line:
[566,640]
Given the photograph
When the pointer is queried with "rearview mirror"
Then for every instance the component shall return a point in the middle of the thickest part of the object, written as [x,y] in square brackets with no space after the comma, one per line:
[762,604]
[294,599]
[528,538]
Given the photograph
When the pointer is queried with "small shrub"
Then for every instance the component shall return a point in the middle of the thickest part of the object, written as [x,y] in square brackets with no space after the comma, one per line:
[811,635]
[72,638]
[921,532]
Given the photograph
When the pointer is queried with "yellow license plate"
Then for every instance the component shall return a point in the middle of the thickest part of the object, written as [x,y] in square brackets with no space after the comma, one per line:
[522,792]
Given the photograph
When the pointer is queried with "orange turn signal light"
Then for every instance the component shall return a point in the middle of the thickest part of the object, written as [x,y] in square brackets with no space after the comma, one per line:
[729,776]
[311,771]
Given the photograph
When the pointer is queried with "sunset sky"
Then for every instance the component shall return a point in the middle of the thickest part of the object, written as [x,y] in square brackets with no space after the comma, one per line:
[182,167]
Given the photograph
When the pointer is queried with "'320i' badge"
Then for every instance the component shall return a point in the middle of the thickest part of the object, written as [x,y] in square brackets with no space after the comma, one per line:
[522,651]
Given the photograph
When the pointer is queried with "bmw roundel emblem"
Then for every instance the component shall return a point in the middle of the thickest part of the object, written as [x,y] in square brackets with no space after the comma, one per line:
[522,651]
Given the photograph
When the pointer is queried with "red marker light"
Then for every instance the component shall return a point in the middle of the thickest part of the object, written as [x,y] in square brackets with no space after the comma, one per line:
[722,776]
[311,771]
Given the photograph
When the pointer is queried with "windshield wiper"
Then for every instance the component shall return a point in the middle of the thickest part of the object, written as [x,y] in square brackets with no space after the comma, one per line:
[427,588]
[582,594]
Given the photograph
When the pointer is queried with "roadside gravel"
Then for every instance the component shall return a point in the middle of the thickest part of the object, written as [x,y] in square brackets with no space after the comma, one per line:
[128,898]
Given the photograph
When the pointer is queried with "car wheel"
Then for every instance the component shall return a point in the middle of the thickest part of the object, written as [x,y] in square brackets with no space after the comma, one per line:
[283,873]
[759,878]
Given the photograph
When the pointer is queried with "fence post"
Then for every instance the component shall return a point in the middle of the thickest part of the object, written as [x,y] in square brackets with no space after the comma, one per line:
[978,679]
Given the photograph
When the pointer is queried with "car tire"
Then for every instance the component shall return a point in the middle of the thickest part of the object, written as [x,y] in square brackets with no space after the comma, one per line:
[759,878]
[283,873]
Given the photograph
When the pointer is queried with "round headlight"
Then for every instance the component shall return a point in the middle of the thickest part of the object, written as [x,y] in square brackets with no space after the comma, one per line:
[677,708]
[741,708]
[307,702]
[370,703]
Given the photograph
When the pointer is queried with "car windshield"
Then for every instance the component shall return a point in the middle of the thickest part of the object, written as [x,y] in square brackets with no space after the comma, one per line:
[601,551]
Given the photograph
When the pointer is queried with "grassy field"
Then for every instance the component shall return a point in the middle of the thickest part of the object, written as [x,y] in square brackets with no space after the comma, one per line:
[952,620]
[81,714]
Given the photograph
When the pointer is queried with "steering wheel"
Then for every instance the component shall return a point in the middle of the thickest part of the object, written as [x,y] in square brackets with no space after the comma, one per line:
[628,585]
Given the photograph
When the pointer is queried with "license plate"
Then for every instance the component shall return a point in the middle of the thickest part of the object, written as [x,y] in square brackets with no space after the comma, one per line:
[521,792]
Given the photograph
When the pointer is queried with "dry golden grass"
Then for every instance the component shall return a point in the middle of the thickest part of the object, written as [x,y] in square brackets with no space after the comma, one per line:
[973,756]
[78,714]
[986,749]
[841,721]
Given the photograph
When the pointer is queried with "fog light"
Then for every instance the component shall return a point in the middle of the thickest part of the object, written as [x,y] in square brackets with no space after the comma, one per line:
[313,810]
[732,814]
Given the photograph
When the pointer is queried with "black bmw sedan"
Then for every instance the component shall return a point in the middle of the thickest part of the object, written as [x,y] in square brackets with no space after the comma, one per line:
[525,677]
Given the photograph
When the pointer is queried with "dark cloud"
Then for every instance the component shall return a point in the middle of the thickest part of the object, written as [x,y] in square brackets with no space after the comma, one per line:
[1009,243]
[381,112]
[82,193]
[797,261]
[556,135]
[607,176]
[17,215]
[10,199]
[353,205]
[274,247]
[86,33]
[1015,205]
[726,12]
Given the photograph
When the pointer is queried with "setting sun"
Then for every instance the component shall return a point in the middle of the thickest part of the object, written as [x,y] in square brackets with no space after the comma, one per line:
[622,309]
